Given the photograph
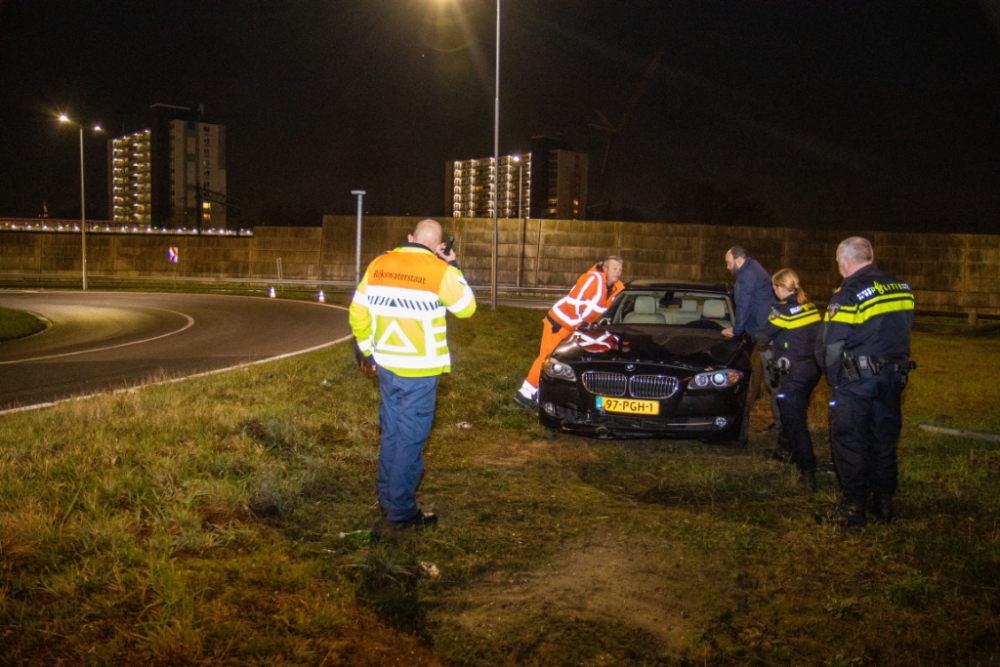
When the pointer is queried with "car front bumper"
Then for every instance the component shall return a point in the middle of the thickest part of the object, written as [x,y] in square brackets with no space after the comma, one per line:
[703,414]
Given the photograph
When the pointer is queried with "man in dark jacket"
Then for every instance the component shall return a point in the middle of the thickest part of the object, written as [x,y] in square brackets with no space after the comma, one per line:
[754,297]
[753,293]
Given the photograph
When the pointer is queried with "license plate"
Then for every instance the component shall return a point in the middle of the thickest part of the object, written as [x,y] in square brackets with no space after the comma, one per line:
[628,406]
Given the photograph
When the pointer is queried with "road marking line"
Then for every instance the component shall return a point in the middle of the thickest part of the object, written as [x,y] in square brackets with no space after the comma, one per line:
[190,323]
[128,390]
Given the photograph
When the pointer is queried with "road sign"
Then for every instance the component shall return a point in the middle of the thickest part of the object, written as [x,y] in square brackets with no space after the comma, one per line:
[172,254]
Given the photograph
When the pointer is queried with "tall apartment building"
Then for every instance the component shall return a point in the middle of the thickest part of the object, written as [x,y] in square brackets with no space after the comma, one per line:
[130,199]
[549,182]
[469,186]
[172,174]
[560,185]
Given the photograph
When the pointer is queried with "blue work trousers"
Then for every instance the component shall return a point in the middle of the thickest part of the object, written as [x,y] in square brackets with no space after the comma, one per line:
[865,422]
[793,401]
[406,414]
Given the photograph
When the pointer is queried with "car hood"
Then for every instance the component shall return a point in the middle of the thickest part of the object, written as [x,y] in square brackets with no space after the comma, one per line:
[675,345]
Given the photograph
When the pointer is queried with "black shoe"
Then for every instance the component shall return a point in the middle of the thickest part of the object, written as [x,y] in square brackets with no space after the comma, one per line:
[520,399]
[807,480]
[882,509]
[418,521]
[845,515]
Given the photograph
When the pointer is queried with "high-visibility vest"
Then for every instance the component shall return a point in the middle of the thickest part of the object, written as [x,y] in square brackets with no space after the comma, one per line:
[398,311]
[587,301]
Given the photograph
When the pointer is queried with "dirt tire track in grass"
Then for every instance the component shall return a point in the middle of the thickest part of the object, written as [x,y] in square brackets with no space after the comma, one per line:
[605,580]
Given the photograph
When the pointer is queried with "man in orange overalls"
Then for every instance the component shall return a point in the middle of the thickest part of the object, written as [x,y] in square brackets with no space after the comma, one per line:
[586,302]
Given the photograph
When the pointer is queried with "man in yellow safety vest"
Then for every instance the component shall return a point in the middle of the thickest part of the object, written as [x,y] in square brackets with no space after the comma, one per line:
[398,319]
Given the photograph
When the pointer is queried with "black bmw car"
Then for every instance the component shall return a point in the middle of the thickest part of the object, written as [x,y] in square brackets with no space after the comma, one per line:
[656,365]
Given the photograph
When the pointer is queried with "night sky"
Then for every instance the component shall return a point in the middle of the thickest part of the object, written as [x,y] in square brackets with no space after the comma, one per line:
[812,113]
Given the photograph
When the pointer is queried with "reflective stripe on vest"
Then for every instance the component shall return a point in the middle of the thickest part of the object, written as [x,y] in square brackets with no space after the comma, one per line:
[398,311]
[583,302]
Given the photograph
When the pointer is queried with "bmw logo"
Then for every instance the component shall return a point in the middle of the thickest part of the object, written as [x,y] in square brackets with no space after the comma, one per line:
[630,367]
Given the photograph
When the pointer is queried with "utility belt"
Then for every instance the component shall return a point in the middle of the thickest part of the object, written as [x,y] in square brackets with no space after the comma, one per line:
[777,369]
[856,367]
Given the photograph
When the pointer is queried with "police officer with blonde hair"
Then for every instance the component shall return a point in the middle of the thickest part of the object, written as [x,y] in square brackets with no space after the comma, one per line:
[864,347]
[398,319]
[788,342]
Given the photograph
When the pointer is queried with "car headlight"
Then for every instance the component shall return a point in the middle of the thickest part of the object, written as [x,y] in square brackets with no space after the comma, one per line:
[715,379]
[556,369]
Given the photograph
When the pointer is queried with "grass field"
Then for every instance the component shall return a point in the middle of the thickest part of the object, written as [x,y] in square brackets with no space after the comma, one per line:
[199,523]
[18,324]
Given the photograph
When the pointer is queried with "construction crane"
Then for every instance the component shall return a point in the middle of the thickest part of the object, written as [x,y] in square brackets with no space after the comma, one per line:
[614,130]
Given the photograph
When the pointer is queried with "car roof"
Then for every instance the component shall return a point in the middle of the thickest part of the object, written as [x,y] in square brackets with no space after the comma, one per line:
[679,285]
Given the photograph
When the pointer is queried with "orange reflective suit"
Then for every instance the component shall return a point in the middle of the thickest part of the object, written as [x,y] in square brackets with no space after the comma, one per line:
[586,302]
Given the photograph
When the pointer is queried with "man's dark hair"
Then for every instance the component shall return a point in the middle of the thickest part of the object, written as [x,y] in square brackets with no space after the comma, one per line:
[737,252]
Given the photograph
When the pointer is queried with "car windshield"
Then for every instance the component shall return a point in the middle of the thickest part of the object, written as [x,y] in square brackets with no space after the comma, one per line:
[707,310]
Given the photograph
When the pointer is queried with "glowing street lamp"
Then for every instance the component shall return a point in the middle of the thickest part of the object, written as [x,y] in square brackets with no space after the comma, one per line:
[63,118]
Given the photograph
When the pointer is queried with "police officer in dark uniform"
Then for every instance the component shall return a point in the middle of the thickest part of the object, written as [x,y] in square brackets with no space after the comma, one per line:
[864,347]
[788,346]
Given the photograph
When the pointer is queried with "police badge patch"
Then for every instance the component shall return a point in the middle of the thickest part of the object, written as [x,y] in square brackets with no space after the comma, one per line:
[833,309]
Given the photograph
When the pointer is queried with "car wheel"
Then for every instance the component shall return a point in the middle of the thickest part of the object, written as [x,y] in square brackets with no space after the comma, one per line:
[743,439]
[753,391]
[740,437]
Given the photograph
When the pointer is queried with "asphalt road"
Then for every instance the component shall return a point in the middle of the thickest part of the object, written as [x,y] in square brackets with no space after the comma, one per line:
[100,341]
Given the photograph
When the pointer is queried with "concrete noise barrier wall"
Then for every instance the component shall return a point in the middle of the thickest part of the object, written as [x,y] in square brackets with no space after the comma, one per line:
[948,272]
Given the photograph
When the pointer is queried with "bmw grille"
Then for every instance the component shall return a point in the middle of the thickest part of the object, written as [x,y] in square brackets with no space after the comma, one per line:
[640,386]
[652,386]
[605,384]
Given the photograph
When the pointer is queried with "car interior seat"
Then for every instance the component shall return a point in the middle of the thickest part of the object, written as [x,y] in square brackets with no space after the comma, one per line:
[688,312]
[645,312]
[715,309]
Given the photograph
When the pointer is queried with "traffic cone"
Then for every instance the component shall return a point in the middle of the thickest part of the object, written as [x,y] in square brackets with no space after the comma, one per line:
[322,299]
[272,294]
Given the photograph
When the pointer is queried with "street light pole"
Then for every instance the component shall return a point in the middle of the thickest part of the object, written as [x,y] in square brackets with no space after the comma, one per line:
[496,173]
[520,231]
[357,258]
[83,201]
[83,216]
[520,185]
